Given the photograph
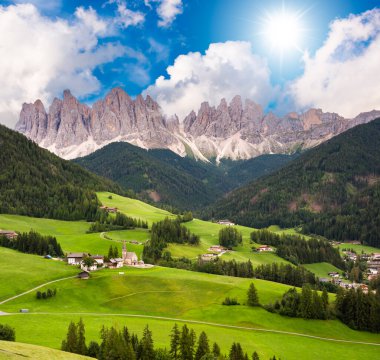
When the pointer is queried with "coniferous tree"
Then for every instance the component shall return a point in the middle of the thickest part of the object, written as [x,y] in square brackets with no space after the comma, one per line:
[146,346]
[253,298]
[186,344]
[216,350]
[236,352]
[81,345]
[255,356]
[175,342]
[71,342]
[203,346]
[306,302]
[93,349]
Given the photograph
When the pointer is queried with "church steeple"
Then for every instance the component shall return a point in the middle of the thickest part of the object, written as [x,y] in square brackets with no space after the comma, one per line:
[124,251]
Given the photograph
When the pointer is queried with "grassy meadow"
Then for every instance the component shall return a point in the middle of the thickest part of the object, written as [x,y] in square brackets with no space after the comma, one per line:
[180,296]
[16,351]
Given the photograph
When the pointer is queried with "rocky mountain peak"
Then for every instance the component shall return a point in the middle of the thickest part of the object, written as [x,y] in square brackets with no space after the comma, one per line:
[231,130]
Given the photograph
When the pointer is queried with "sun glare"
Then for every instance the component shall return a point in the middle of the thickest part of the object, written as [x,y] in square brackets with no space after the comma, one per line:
[283,31]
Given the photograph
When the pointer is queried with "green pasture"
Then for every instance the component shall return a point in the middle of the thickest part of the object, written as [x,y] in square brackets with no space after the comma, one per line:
[109,296]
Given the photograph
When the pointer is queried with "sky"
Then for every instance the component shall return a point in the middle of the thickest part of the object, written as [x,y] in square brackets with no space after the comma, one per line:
[286,55]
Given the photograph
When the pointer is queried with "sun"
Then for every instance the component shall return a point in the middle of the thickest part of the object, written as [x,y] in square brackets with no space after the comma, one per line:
[283,31]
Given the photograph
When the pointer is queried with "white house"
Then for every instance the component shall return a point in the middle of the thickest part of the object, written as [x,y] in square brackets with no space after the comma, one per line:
[226,222]
[88,268]
[116,263]
[209,257]
[264,248]
[99,260]
[75,258]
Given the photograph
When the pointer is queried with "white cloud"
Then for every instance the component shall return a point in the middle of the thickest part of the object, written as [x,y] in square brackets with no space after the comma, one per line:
[41,56]
[167,10]
[344,74]
[225,70]
[128,17]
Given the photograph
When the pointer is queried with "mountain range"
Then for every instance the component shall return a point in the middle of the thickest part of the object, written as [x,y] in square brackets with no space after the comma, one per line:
[238,130]
[163,177]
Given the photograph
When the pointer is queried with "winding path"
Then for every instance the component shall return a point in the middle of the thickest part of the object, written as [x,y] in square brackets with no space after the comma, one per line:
[36,288]
[198,322]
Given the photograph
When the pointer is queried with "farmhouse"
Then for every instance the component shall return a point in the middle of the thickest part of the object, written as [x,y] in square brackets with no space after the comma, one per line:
[99,260]
[8,234]
[109,209]
[216,249]
[334,274]
[84,275]
[375,257]
[116,263]
[226,222]
[75,258]
[264,248]
[209,257]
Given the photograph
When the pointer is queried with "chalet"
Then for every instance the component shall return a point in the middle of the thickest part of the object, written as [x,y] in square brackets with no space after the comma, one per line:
[373,265]
[75,258]
[375,257]
[116,263]
[264,248]
[364,288]
[226,222]
[371,277]
[372,271]
[216,249]
[209,257]
[99,260]
[9,234]
[109,209]
[92,267]
[84,275]
[334,274]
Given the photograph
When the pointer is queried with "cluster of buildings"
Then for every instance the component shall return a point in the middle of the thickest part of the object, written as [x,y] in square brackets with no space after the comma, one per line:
[127,258]
[214,252]
[9,234]
[373,266]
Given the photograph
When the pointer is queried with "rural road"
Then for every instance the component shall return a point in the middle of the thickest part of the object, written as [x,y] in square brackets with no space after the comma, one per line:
[198,322]
[36,288]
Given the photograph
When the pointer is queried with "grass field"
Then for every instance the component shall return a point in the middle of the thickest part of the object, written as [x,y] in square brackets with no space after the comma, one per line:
[15,351]
[20,272]
[185,296]
[322,269]
[359,248]
[72,234]
[134,208]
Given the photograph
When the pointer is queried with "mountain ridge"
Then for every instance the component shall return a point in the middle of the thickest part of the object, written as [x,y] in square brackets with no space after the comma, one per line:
[331,190]
[238,130]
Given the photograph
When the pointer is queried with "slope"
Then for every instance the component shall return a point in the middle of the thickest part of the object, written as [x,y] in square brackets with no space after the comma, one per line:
[333,190]
[37,183]
[164,177]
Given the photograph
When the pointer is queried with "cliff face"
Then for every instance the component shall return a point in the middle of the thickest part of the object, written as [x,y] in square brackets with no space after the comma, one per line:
[237,130]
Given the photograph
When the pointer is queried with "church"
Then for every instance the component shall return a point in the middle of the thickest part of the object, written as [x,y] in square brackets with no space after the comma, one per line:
[129,258]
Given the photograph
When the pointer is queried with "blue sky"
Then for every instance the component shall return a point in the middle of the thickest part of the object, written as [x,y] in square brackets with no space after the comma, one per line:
[132,43]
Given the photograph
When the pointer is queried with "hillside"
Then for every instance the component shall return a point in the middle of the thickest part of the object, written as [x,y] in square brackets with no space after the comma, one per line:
[37,183]
[14,350]
[164,177]
[333,190]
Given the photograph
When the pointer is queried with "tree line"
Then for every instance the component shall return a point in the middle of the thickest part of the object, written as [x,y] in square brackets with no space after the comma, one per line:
[165,232]
[358,310]
[230,237]
[33,243]
[308,304]
[122,344]
[297,250]
[103,221]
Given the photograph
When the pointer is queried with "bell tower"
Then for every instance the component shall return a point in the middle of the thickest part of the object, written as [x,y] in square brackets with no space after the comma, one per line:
[124,251]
